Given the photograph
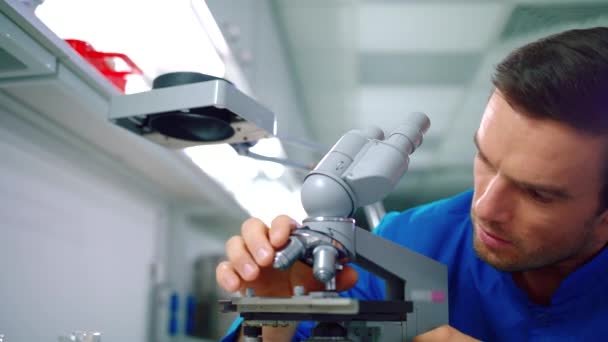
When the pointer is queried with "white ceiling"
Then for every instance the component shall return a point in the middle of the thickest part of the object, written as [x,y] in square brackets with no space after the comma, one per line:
[369,62]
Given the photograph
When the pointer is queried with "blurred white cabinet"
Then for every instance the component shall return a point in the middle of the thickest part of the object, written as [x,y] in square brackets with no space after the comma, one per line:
[20,56]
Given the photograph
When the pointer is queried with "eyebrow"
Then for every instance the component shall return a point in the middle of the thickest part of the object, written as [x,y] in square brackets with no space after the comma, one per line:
[555,191]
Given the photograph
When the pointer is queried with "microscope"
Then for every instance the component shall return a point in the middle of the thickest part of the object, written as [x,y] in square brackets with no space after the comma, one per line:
[188,109]
[361,168]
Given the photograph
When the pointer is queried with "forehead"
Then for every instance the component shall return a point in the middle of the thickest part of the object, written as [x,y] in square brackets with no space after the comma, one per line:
[539,150]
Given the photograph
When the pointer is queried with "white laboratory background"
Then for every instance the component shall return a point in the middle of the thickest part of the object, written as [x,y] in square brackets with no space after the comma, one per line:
[101,230]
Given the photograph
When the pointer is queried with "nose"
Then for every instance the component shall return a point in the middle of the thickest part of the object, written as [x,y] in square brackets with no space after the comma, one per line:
[495,201]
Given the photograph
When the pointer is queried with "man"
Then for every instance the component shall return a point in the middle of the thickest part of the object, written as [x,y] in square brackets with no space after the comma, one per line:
[526,249]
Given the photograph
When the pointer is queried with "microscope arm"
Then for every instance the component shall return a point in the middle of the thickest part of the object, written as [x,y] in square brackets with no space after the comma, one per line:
[395,264]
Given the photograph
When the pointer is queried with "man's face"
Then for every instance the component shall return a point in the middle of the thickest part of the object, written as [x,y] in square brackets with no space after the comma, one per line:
[537,185]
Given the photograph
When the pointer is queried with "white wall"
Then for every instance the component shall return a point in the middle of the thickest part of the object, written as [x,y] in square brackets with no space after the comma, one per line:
[77,238]
[191,238]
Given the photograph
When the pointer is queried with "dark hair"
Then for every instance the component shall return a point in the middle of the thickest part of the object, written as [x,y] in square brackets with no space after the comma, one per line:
[562,77]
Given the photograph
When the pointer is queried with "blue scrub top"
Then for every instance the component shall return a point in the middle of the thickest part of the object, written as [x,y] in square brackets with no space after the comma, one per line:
[484,302]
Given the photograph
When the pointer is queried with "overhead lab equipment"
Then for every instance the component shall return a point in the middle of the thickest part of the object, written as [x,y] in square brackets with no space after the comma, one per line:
[186,109]
[363,167]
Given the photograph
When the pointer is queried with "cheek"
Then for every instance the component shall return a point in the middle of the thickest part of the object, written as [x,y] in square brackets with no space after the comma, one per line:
[543,227]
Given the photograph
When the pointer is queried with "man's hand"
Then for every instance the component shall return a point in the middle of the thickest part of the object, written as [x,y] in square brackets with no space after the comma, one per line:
[249,265]
[250,257]
[444,333]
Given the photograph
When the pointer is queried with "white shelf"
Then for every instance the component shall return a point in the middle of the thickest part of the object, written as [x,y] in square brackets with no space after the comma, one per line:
[73,96]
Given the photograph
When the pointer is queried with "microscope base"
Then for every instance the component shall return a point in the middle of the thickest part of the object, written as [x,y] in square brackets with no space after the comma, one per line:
[331,312]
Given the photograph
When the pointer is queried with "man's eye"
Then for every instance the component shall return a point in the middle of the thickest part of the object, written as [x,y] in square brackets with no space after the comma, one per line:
[482,159]
[538,196]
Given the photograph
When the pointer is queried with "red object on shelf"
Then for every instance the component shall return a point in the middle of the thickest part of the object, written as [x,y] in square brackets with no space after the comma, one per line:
[104,62]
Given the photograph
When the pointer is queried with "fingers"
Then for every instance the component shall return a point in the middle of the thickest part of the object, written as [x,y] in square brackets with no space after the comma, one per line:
[240,259]
[226,277]
[280,229]
[346,278]
[444,333]
[255,235]
[250,255]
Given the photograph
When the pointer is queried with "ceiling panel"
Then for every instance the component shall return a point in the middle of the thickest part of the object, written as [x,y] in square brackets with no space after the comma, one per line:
[430,27]
[326,68]
[329,80]
[530,18]
[314,24]
[385,106]
[418,68]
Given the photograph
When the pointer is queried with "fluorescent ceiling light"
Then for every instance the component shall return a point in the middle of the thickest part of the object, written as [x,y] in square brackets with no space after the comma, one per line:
[206,19]
[252,182]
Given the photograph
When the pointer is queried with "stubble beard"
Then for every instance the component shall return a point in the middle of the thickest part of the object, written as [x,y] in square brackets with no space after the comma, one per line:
[518,259]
